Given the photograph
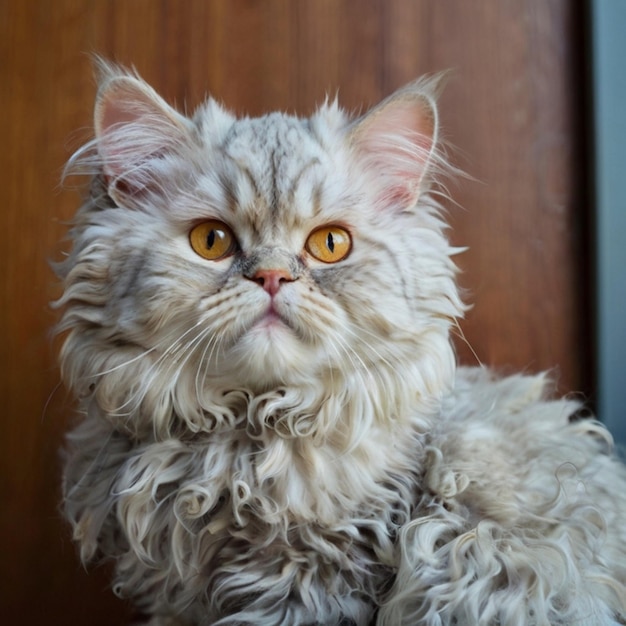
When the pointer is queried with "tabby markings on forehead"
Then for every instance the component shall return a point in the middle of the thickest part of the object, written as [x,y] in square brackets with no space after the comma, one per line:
[270,147]
[230,193]
[284,208]
[316,200]
[281,207]
[298,177]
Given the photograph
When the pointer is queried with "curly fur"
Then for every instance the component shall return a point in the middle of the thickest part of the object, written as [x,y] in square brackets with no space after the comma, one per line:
[330,467]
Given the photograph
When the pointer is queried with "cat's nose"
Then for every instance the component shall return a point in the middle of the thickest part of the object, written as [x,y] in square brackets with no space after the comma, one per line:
[271,280]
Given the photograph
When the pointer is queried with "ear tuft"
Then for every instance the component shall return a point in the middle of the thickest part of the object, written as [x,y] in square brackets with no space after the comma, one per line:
[133,126]
[397,141]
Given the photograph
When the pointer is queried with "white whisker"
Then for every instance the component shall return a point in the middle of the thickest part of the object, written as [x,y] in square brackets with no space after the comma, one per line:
[458,331]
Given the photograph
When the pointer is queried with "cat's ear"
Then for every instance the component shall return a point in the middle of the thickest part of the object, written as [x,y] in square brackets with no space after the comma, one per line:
[397,141]
[135,128]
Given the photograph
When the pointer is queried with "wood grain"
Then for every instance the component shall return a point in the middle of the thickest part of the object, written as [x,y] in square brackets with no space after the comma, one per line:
[512,108]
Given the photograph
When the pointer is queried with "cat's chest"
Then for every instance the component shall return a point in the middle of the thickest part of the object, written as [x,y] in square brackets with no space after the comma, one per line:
[280,482]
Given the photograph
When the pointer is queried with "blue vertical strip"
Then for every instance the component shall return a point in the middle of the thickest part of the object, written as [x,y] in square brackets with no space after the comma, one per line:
[609,103]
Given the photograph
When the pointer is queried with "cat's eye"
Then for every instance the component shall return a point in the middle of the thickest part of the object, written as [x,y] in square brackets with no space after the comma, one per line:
[329,244]
[213,240]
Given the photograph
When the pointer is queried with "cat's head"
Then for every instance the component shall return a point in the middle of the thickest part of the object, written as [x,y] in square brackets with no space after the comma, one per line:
[216,252]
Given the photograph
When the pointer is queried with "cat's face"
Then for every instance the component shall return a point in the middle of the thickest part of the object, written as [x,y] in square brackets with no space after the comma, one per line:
[263,252]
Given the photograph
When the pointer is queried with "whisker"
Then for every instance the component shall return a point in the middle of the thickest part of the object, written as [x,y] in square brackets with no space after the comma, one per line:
[125,363]
[51,395]
[457,331]
[367,345]
[152,373]
[203,365]
[364,370]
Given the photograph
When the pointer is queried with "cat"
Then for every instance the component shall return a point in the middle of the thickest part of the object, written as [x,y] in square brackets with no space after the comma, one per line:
[273,427]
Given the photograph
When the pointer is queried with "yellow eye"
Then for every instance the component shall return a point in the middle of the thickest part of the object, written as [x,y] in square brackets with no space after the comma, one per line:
[329,244]
[213,240]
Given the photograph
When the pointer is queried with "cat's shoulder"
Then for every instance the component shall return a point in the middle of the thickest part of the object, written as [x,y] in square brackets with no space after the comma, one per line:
[484,391]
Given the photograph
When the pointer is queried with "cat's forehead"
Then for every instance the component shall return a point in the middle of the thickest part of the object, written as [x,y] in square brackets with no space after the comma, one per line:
[278,166]
[274,148]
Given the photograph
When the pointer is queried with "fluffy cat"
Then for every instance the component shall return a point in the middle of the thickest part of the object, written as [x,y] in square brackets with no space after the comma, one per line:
[274,431]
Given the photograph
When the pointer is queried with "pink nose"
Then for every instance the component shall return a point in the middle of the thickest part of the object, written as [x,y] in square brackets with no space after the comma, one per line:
[271,280]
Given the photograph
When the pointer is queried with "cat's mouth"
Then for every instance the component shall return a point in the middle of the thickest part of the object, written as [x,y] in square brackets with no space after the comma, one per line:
[270,319]
[274,324]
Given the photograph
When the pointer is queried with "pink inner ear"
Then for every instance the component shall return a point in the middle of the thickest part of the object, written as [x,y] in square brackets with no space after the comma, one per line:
[397,141]
[411,119]
[125,100]
[114,111]
[132,125]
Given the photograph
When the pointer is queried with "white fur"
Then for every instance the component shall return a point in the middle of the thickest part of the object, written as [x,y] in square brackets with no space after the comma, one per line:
[330,467]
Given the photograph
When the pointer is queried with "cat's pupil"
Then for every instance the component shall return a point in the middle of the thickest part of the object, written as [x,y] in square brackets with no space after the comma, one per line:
[330,243]
[210,240]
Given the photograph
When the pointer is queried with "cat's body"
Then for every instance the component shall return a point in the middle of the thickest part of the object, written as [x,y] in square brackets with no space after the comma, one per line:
[274,433]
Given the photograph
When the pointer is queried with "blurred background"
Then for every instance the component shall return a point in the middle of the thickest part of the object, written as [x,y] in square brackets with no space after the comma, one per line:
[515,108]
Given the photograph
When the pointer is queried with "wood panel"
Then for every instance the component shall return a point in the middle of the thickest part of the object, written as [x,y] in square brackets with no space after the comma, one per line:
[510,107]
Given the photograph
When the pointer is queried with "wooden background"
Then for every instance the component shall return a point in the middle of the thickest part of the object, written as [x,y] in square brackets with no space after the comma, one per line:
[513,108]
